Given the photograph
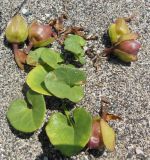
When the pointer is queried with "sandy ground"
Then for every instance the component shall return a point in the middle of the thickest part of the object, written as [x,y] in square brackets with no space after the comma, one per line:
[127,87]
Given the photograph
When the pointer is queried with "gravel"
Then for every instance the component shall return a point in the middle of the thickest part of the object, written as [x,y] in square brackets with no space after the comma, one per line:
[127,87]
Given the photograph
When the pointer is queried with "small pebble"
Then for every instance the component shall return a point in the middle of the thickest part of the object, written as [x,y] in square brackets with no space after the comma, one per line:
[128,1]
[105,154]
[43,18]
[85,48]
[24,11]
[47,15]
[84,158]
[139,151]
[98,51]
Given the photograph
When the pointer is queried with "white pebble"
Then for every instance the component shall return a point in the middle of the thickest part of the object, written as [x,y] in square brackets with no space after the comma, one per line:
[85,48]
[43,18]
[105,154]
[139,151]
[85,158]
[24,11]
[47,15]
[128,1]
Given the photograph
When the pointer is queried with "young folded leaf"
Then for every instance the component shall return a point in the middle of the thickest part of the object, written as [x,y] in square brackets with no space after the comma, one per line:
[17,30]
[40,35]
[16,33]
[102,134]
[124,44]
[108,135]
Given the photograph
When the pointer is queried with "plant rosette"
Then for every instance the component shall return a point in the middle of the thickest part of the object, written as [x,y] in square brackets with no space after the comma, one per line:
[72,131]
[70,134]
[27,116]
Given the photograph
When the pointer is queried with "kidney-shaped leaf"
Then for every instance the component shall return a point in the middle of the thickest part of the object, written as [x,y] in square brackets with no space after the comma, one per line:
[65,82]
[74,44]
[70,139]
[51,57]
[35,79]
[46,55]
[27,118]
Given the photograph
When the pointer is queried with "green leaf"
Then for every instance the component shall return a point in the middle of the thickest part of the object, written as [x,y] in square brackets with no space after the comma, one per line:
[75,39]
[112,33]
[51,57]
[35,79]
[70,139]
[24,118]
[81,60]
[44,42]
[33,57]
[46,55]
[65,82]
[74,44]
[67,65]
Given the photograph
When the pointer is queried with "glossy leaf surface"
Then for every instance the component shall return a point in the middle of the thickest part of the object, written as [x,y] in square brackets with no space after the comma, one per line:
[51,57]
[44,55]
[65,82]
[27,117]
[35,79]
[70,138]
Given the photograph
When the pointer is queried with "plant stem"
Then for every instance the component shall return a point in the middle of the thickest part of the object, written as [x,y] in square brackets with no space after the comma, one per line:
[104,107]
[15,47]
[19,56]
[107,51]
[67,113]
[27,50]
